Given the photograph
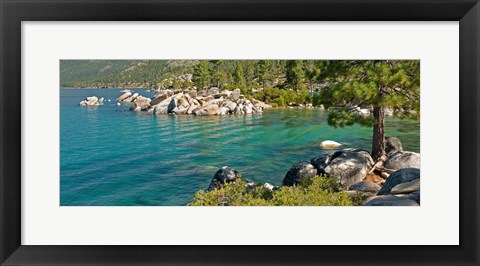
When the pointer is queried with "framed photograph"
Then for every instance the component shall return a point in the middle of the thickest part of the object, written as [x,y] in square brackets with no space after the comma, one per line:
[239,132]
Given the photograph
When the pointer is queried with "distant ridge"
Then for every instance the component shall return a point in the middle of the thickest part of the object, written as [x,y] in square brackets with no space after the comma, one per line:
[120,73]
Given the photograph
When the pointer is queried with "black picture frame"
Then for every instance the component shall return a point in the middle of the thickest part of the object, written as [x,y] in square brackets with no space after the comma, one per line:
[13,12]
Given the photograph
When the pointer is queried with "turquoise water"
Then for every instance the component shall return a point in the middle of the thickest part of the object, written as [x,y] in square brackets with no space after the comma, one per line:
[111,156]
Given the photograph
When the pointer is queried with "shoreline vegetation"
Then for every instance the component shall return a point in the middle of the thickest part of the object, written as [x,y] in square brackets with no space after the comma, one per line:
[360,92]
[343,178]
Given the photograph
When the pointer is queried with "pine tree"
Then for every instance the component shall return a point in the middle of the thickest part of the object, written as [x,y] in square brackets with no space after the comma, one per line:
[239,77]
[264,71]
[295,74]
[311,73]
[201,75]
[378,84]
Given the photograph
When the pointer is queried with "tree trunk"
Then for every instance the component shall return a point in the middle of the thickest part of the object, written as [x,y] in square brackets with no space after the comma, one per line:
[378,144]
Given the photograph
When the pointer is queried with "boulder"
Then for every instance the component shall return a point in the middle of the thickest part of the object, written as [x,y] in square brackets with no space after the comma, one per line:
[250,184]
[124,96]
[329,144]
[151,110]
[159,97]
[402,160]
[320,162]
[238,110]
[300,170]
[406,187]
[180,110]
[212,91]
[172,105]
[399,177]
[231,106]
[223,110]
[365,186]
[393,145]
[192,94]
[195,102]
[162,107]
[257,109]
[191,109]
[92,99]
[215,101]
[389,200]
[269,186]
[200,111]
[141,102]
[414,196]
[248,109]
[131,98]
[222,176]
[349,166]
[212,109]
[220,95]
[235,95]
[203,100]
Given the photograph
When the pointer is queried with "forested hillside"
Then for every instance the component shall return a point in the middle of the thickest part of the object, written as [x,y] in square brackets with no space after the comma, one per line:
[119,73]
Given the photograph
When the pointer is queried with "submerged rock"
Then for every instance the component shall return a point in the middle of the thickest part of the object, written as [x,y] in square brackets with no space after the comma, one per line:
[329,144]
[91,101]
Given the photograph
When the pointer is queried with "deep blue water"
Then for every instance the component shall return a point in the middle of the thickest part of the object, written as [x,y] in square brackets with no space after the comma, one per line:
[111,156]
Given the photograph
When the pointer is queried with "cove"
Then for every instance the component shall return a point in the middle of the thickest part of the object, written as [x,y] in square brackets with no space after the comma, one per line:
[110,156]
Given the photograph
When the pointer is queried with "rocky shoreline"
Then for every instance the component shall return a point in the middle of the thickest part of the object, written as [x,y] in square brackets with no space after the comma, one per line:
[206,102]
[398,184]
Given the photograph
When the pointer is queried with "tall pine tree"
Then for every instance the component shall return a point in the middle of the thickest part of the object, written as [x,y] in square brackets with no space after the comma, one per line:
[295,74]
[379,84]
[201,75]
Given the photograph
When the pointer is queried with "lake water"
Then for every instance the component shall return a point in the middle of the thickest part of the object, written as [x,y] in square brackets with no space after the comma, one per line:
[111,156]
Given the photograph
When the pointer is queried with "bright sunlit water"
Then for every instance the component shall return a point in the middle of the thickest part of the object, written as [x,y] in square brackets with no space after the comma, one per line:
[111,156]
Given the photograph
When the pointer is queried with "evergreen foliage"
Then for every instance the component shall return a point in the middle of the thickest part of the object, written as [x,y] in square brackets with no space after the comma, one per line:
[318,191]
[378,84]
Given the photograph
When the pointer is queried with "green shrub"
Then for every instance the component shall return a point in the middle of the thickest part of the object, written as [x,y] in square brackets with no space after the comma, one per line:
[280,101]
[318,191]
